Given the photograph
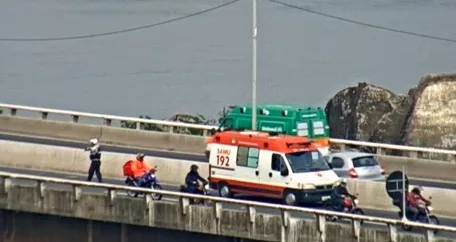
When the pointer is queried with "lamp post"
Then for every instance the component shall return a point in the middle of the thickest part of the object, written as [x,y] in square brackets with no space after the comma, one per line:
[254,65]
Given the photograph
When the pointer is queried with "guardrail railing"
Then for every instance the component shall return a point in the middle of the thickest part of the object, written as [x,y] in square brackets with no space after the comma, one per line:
[107,119]
[380,149]
[217,202]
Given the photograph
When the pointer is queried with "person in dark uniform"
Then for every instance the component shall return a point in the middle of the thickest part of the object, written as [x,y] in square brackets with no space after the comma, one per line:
[95,160]
[191,180]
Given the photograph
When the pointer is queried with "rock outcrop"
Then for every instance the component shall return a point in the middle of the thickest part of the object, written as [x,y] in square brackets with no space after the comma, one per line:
[424,117]
[367,112]
[431,121]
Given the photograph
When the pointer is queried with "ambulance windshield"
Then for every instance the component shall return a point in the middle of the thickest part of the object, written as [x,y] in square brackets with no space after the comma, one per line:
[307,161]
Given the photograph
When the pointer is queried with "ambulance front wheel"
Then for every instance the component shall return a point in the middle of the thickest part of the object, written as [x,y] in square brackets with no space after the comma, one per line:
[289,198]
[224,190]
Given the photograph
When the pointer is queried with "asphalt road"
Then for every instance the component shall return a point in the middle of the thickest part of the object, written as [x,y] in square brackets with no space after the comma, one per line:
[165,154]
[378,213]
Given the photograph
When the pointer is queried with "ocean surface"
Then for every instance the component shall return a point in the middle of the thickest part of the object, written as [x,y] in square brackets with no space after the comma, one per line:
[203,63]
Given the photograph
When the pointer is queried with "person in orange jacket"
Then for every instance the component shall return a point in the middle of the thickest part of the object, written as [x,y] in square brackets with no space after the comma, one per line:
[140,169]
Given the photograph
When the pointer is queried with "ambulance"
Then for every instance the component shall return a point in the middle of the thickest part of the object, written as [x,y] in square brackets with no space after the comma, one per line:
[306,121]
[278,166]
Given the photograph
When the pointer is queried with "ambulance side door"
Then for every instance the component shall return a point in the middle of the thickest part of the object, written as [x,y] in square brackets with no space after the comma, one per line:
[246,169]
[271,164]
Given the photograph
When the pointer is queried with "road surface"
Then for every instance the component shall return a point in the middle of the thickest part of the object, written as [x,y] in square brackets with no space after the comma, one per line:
[164,154]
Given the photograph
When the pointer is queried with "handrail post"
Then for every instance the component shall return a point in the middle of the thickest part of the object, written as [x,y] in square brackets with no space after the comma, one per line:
[321,226]
[107,122]
[217,210]
[148,200]
[430,236]
[41,188]
[413,154]
[75,118]
[252,217]
[76,192]
[356,226]
[218,215]
[185,203]
[111,196]
[392,232]
[13,112]
[285,224]
[6,184]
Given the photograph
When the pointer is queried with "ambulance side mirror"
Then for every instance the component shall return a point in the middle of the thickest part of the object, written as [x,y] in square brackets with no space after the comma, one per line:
[284,170]
[330,165]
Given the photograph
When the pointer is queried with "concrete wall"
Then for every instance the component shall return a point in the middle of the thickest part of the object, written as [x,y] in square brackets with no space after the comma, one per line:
[168,215]
[109,135]
[62,159]
[418,168]
[16,227]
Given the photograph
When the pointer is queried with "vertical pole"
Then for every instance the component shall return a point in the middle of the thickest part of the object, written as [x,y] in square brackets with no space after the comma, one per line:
[403,194]
[254,67]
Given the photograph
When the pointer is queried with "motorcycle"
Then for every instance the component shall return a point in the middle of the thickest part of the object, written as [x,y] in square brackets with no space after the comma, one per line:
[350,205]
[150,181]
[426,217]
[204,192]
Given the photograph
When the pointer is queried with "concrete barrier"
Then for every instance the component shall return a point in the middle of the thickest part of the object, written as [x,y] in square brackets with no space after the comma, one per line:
[170,215]
[373,195]
[107,134]
[69,160]
[417,168]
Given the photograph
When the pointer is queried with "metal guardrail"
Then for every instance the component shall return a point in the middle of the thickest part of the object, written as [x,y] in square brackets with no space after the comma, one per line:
[12,110]
[105,117]
[217,203]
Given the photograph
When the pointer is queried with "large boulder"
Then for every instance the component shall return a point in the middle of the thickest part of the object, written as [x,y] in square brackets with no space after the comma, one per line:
[431,121]
[367,112]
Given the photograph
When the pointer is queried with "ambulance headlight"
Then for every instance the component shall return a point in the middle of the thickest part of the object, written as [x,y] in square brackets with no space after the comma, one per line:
[305,186]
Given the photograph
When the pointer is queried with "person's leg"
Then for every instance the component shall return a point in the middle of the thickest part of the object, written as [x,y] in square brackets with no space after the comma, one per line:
[91,171]
[414,212]
[98,172]
[421,212]
[337,203]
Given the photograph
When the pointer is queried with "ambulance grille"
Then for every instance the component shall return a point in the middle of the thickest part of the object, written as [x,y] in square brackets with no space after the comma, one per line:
[326,187]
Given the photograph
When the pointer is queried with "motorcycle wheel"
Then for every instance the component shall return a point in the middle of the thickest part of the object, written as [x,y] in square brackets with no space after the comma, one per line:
[206,202]
[406,227]
[434,220]
[156,196]
[358,211]
[131,183]
[329,207]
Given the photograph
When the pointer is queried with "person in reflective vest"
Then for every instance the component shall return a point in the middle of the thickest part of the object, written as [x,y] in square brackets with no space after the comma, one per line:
[140,169]
[95,160]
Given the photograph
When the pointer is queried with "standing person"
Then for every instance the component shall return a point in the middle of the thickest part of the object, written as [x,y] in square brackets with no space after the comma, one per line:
[95,160]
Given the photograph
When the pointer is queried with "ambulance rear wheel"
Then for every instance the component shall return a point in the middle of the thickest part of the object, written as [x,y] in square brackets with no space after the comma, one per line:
[289,198]
[224,190]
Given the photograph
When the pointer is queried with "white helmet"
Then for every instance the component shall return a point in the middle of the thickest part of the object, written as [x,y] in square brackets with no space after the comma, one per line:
[343,181]
[93,141]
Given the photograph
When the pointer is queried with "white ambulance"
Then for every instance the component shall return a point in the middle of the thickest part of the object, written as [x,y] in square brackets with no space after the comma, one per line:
[275,166]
